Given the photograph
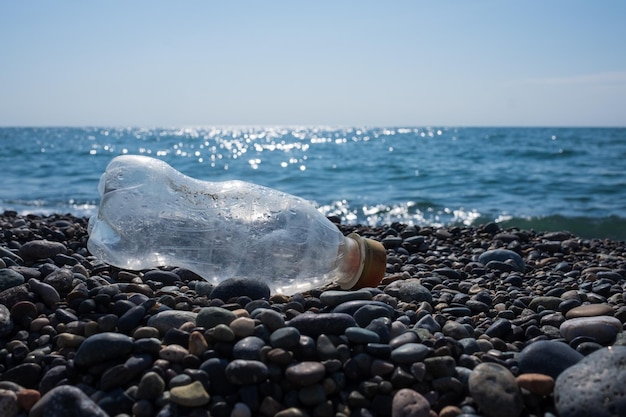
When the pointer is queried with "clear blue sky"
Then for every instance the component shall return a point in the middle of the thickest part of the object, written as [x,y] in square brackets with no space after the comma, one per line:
[366,63]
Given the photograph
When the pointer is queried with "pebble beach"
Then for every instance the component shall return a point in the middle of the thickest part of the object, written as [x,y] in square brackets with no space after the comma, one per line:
[468,321]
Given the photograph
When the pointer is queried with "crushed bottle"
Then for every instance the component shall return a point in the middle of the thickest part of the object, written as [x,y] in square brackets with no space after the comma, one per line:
[151,215]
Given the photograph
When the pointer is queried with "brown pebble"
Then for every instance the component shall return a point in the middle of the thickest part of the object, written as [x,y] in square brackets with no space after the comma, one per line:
[26,398]
[450,411]
[536,383]
[24,309]
[197,344]
[590,310]
[409,403]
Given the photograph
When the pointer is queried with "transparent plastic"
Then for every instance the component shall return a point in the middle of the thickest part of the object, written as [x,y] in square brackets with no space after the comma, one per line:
[151,215]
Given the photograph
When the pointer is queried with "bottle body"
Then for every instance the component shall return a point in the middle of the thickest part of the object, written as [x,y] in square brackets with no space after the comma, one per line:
[152,215]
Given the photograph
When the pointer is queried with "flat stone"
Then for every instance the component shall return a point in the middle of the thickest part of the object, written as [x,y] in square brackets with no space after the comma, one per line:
[41,249]
[10,278]
[358,335]
[305,373]
[409,353]
[312,324]
[547,357]
[192,395]
[171,319]
[539,384]
[409,403]
[590,310]
[495,390]
[103,347]
[547,302]
[603,329]
[66,400]
[333,298]
[595,386]
[246,372]
[209,317]
[256,289]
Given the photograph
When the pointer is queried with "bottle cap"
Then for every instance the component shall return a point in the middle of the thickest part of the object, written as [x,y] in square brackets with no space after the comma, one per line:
[374,261]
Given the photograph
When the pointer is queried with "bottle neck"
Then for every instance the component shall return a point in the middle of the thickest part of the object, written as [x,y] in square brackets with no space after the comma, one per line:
[351,261]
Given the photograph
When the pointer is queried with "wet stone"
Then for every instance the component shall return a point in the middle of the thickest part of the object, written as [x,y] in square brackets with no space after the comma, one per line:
[495,390]
[577,394]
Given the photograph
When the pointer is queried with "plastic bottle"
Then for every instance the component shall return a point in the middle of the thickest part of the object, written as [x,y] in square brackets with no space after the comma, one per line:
[152,215]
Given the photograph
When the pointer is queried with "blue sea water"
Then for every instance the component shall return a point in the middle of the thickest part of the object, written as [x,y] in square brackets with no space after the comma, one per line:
[533,178]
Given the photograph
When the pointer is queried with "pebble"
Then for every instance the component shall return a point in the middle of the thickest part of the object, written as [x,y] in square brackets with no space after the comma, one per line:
[495,390]
[603,329]
[245,372]
[6,321]
[409,403]
[539,384]
[502,255]
[8,403]
[285,338]
[312,324]
[192,395]
[589,310]
[547,357]
[595,386]
[48,294]
[41,249]
[66,400]
[409,290]
[409,353]
[333,298]
[305,373]
[256,289]
[10,278]
[243,326]
[171,319]
[209,317]
[103,347]
[151,386]
[248,348]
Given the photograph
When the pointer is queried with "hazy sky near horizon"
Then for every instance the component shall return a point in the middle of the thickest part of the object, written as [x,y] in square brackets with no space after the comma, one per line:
[337,63]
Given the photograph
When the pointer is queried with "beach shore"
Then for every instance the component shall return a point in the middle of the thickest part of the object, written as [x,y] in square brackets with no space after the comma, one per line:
[471,321]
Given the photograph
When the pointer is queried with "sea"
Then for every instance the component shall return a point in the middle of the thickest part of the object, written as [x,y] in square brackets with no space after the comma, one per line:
[544,179]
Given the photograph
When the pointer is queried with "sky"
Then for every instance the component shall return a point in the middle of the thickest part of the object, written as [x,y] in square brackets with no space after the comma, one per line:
[331,63]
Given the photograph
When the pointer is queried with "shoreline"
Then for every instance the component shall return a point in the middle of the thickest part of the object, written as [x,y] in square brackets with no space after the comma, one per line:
[458,306]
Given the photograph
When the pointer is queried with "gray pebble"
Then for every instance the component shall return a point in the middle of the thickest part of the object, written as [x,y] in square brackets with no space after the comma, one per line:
[409,403]
[64,401]
[495,390]
[171,319]
[246,372]
[409,290]
[10,278]
[312,324]
[595,386]
[305,373]
[603,329]
[358,335]
[6,322]
[547,357]
[209,317]
[248,348]
[333,298]
[41,249]
[409,353]
[103,347]
[502,255]
[285,338]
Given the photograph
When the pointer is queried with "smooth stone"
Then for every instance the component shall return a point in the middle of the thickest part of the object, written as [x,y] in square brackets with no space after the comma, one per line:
[603,329]
[248,348]
[26,374]
[502,255]
[192,395]
[409,290]
[358,335]
[6,322]
[271,319]
[64,401]
[539,384]
[151,386]
[173,353]
[246,372]
[333,298]
[8,403]
[164,277]
[590,310]
[305,373]
[48,294]
[62,280]
[209,317]
[455,330]
[10,278]
[429,323]
[547,357]
[499,328]
[351,307]
[256,289]
[495,390]
[595,386]
[131,319]
[409,403]
[171,319]
[41,249]
[409,353]
[285,338]
[547,302]
[103,347]
[312,324]
[364,315]
[27,398]
[440,366]
[243,326]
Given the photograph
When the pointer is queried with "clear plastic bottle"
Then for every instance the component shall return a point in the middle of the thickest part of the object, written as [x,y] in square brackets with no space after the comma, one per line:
[152,215]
